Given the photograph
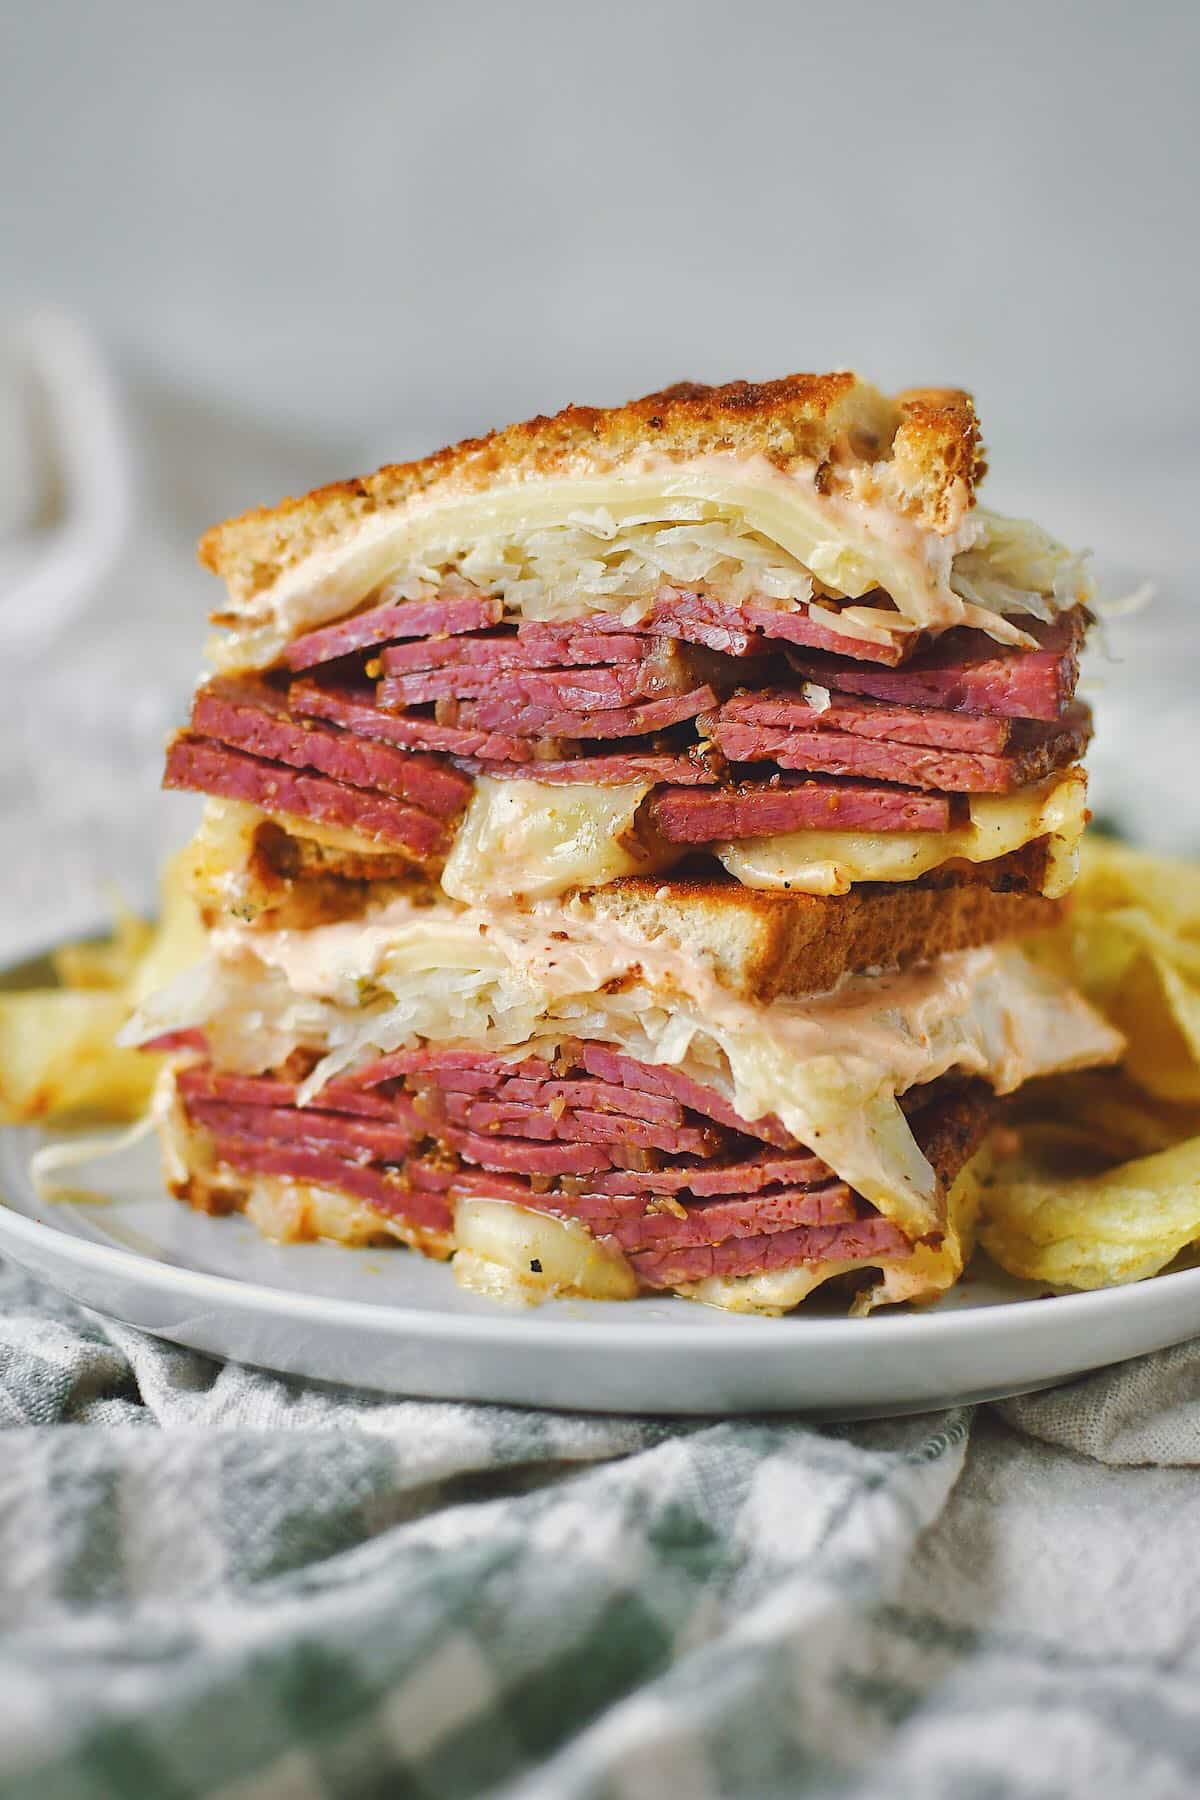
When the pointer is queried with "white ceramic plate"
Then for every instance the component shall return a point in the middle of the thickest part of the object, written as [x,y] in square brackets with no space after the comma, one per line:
[391,1320]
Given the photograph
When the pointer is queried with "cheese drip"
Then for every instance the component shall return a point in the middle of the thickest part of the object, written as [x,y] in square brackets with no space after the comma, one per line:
[536,839]
[830,862]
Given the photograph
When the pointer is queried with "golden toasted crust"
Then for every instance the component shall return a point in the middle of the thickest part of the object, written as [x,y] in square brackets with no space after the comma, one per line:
[930,434]
[937,451]
[287,881]
[762,945]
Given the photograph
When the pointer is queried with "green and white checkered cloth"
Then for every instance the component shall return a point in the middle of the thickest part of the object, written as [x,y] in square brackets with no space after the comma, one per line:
[217,1582]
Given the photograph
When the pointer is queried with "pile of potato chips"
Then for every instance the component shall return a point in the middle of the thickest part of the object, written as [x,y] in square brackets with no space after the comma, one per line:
[1098,1180]
[1096,1176]
[58,1052]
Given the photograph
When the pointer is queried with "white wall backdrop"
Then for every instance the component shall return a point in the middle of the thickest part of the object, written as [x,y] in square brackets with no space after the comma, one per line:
[351,214]
[316,235]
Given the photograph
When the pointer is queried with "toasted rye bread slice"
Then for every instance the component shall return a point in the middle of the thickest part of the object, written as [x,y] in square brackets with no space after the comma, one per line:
[765,945]
[290,882]
[928,438]
[762,944]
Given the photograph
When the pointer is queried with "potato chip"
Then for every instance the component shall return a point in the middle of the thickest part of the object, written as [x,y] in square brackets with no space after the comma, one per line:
[1102,1180]
[1158,1009]
[1114,1119]
[57,1045]
[1095,1231]
[110,963]
[179,940]
[57,1055]
[1131,943]
[1113,875]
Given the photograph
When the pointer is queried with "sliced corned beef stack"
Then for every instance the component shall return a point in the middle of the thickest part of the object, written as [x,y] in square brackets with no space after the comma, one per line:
[641,1155]
[394,719]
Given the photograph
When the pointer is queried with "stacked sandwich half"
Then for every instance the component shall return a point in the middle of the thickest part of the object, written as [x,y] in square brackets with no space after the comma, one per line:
[624,839]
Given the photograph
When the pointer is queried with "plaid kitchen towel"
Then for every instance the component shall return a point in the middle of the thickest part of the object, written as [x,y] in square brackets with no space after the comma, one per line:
[218,1582]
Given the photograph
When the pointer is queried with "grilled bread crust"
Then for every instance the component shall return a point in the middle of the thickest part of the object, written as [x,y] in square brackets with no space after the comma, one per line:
[761,943]
[764,945]
[927,437]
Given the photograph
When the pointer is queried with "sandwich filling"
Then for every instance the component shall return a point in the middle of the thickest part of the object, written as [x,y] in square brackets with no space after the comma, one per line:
[830,1068]
[791,541]
[531,759]
[766,627]
[497,743]
[593,1172]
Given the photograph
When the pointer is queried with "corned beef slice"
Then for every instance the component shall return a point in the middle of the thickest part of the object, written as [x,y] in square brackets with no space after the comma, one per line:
[787,709]
[544,719]
[503,704]
[675,613]
[552,690]
[200,1082]
[386,1190]
[605,1210]
[740,630]
[859,1242]
[532,646]
[741,1215]
[807,628]
[660,666]
[444,1064]
[355,708]
[514,1119]
[528,1157]
[605,769]
[967,671]
[763,1169]
[336,1153]
[255,717]
[626,1073]
[684,1250]
[431,1172]
[191,1038]
[643,1109]
[942,771]
[201,766]
[552,1099]
[580,1094]
[701,620]
[611,1082]
[405,619]
[708,815]
[636,1228]
[358,1140]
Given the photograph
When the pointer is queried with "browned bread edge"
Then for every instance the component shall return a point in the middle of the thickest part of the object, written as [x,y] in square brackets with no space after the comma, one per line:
[762,946]
[930,434]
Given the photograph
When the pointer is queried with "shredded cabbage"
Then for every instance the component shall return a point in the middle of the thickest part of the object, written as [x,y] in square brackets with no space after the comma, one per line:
[596,563]
[1015,567]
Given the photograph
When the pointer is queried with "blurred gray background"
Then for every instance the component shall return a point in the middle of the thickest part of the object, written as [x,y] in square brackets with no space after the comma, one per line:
[308,238]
